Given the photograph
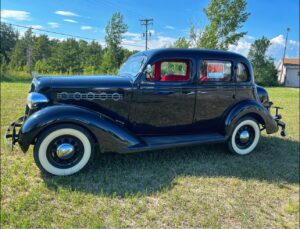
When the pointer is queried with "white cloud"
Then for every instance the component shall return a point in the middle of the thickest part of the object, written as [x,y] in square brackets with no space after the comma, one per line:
[135,42]
[242,46]
[279,40]
[18,15]
[293,42]
[66,13]
[53,24]
[170,27]
[70,20]
[36,26]
[133,36]
[152,32]
[275,50]
[86,27]
[161,42]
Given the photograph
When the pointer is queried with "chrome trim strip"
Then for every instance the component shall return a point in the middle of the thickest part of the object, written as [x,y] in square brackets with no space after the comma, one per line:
[90,96]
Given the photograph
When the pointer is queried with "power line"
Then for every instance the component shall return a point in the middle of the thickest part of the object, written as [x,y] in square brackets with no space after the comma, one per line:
[65,34]
[47,31]
[146,22]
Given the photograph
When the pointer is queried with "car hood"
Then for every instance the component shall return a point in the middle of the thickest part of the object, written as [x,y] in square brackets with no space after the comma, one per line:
[81,82]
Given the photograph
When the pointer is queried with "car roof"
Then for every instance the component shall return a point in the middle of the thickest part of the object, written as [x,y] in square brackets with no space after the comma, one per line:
[191,51]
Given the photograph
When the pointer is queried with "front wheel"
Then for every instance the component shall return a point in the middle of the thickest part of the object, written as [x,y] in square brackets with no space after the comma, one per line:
[63,150]
[245,137]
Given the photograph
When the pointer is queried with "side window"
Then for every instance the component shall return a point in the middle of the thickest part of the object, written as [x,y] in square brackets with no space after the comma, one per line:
[242,73]
[215,70]
[170,70]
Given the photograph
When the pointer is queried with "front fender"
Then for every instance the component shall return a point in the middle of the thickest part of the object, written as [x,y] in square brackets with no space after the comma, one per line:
[110,136]
[251,108]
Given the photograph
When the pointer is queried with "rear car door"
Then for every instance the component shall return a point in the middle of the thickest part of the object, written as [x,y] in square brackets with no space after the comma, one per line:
[164,100]
[215,93]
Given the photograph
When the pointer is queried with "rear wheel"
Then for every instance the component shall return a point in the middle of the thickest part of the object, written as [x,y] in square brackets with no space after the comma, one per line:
[63,150]
[245,137]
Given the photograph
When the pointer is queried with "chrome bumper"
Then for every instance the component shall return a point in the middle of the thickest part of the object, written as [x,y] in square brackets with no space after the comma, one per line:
[11,136]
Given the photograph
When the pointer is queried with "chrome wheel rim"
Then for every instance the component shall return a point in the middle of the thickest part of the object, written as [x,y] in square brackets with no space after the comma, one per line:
[245,136]
[65,151]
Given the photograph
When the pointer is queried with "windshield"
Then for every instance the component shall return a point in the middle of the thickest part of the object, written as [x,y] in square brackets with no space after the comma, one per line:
[132,66]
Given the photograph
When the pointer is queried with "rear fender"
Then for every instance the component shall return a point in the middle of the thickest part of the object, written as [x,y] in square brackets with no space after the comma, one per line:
[253,109]
[110,136]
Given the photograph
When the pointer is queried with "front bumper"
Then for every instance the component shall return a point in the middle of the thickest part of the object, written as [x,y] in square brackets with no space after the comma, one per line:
[12,133]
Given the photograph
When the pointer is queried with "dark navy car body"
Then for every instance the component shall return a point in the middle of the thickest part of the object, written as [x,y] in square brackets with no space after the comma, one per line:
[154,108]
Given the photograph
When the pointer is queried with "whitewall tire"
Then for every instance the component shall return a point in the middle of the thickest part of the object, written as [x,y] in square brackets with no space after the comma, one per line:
[63,150]
[245,137]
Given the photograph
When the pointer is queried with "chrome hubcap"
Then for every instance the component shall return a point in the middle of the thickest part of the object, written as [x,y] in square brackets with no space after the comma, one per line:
[244,136]
[65,151]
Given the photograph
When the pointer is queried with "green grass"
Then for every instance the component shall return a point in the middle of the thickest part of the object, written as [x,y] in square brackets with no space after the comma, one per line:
[18,76]
[188,187]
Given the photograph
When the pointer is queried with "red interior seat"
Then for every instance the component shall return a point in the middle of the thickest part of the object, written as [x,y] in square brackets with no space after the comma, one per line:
[171,77]
[174,78]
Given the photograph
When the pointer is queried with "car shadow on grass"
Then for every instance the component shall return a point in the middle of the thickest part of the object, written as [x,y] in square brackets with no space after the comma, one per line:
[275,160]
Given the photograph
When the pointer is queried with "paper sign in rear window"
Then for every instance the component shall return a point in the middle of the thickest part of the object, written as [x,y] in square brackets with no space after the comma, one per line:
[215,70]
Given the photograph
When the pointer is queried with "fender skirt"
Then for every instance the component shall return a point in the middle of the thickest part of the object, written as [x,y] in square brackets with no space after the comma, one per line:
[111,137]
[251,108]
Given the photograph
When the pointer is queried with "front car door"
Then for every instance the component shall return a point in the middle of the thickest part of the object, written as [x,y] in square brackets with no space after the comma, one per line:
[164,100]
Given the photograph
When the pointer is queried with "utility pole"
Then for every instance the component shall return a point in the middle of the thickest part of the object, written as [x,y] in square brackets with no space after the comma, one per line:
[28,40]
[286,39]
[146,22]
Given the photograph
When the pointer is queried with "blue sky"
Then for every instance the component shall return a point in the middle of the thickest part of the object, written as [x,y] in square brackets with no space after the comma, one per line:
[172,19]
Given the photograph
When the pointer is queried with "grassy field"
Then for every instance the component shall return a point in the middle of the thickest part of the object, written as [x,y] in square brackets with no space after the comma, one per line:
[188,187]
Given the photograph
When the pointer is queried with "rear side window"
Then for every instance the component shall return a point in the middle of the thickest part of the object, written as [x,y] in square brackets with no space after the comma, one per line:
[242,74]
[215,70]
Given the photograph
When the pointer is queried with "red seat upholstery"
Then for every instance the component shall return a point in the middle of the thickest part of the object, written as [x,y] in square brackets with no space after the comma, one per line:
[174,78]
[157,72]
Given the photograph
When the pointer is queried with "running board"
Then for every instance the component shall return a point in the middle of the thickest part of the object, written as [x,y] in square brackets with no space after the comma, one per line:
[163,142]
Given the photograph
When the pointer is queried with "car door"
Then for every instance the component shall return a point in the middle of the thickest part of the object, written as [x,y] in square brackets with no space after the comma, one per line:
[215,93]
[164,102]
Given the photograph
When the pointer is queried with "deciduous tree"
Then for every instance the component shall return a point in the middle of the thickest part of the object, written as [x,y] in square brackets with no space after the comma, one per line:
[264,69]
[225,17]
[181,43]
[115,29]
[9,38]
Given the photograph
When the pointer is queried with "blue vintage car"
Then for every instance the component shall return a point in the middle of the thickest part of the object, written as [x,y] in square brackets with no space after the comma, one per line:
[159,99]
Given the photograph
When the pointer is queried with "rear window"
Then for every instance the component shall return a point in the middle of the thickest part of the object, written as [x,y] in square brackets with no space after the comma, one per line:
[215,70]
[242,74]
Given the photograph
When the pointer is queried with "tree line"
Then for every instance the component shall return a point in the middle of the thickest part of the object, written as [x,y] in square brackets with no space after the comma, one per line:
[45,55]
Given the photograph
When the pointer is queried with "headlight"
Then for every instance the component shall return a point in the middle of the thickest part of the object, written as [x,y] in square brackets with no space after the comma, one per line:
[35,99]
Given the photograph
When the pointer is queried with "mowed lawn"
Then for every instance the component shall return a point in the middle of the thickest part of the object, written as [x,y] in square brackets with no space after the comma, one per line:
[201,186]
